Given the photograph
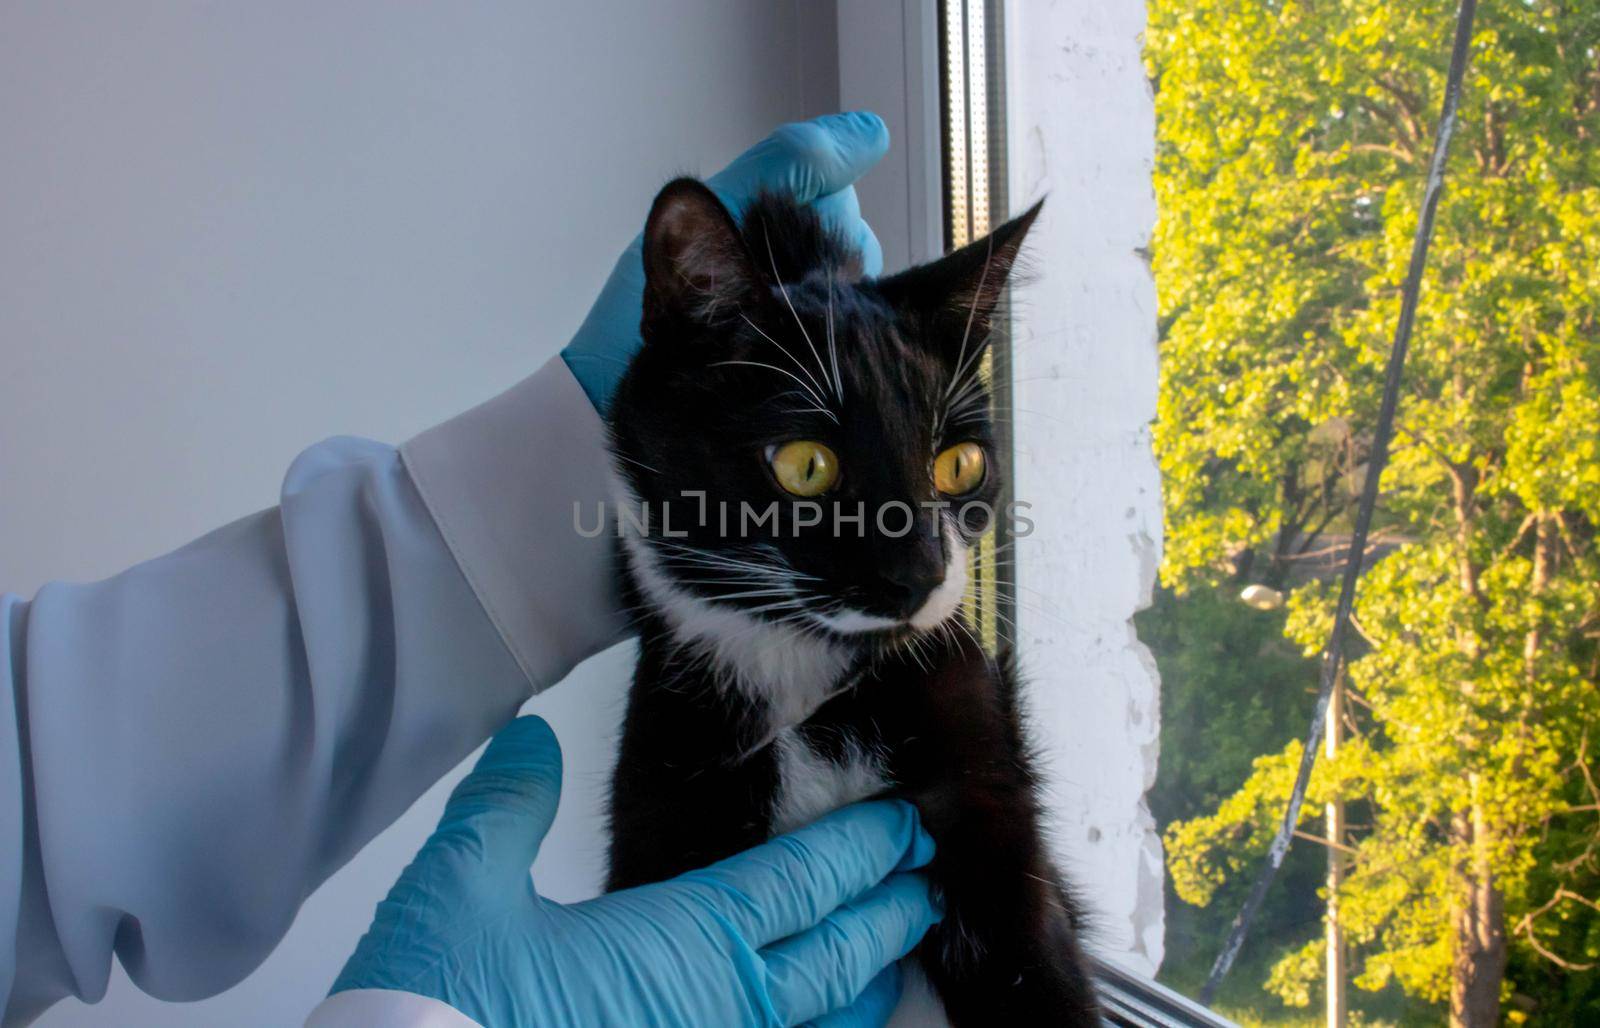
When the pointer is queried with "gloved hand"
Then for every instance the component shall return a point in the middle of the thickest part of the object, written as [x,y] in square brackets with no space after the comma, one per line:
[805,928]
[818,161]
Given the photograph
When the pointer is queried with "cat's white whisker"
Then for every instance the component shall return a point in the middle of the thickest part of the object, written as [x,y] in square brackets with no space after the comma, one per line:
[708,556]
[961,623]
[967,380]
[786,594]
[787,353]
[637,463]
[738,571]
[769,591]
[914,650]
[784,290]
[976,403]
[833,349]
[967,376]
[781,371]
[972,313]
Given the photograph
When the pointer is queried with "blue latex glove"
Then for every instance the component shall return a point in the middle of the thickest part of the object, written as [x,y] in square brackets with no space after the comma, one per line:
[803,929]
[818,161]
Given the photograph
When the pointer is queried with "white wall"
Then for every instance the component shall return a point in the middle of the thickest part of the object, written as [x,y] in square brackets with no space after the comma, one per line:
[230,230]
[1081,130]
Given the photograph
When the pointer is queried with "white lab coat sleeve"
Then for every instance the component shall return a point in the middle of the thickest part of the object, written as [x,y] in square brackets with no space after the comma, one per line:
[366,1008]
[189,748]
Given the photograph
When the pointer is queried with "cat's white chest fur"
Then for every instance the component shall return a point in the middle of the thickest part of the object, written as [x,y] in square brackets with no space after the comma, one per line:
[786,670]
[810,784]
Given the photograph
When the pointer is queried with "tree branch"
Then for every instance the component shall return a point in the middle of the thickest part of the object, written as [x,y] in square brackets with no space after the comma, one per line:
[1319,840]
[1524,928]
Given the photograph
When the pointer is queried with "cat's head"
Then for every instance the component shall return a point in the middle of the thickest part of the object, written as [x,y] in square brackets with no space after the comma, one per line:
[814,449]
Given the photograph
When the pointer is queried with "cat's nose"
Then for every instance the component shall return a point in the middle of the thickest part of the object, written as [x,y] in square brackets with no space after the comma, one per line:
[905,590]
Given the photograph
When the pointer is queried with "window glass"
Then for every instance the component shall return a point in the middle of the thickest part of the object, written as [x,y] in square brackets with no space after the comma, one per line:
[1447,865]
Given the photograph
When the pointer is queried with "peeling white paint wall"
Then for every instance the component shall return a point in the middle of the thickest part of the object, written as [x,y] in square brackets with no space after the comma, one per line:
[1081,130]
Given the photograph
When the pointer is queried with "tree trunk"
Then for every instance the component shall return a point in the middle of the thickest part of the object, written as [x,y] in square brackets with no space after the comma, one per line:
[1479,927]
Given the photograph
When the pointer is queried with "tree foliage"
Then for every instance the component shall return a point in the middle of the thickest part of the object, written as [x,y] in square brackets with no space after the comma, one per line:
[1293,141]
[1224,664]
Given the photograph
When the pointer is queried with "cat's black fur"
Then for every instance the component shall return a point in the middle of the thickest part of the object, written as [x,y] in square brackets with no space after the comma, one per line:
[753,338]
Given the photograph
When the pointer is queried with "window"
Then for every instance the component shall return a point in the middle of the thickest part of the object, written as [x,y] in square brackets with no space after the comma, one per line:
[974,200]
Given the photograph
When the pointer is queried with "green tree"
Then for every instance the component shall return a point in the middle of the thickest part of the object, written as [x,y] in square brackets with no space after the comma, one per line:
[1225,664]
[1293,139]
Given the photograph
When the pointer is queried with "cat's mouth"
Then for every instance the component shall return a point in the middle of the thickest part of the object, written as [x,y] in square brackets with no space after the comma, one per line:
[937,607]
[857,622]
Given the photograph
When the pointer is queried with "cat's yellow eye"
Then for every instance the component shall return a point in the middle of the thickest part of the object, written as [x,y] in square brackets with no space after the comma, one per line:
[804,467]
[959,470]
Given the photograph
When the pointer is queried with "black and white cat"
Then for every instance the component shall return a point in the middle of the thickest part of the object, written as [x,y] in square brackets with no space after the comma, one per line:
[815,455]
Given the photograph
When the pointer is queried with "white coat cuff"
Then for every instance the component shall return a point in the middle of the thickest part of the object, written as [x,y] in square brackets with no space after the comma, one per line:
[503,482]
[389,1008]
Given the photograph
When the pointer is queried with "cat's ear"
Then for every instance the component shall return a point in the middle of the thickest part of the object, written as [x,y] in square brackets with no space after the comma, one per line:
[696,266]
[956,295]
